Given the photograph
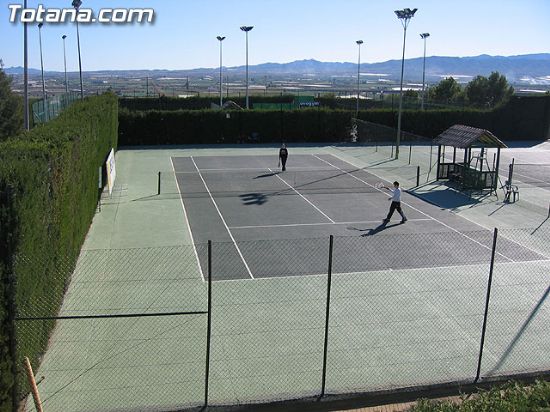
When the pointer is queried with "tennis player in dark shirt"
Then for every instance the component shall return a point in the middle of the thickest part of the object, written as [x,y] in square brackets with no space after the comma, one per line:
[283,155]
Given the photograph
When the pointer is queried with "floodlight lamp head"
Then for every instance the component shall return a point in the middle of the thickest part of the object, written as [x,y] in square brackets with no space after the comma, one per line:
[40,25]
[64,36]
[220,38]
[424,35]
[405,14]
[359,42]
[76,4]
[246,28]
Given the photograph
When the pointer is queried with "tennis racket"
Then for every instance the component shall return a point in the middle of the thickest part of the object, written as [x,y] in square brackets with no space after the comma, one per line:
[380,185]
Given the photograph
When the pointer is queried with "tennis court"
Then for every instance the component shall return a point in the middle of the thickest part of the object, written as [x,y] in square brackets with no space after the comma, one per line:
[247,201]
[406,302]
[531,167]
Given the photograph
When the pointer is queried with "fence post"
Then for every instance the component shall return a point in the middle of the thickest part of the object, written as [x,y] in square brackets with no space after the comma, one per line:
[329,283]
[158,186]
[417,176]
[10,300]
[209,325]
[493,251]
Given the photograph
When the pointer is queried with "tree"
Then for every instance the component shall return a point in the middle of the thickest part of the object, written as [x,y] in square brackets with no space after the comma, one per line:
[489,92]
[500,90]
[477,91]
[410,94]
[11,114]
[446,91]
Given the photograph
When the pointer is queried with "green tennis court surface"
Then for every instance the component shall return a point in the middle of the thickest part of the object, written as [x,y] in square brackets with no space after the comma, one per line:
[407,300]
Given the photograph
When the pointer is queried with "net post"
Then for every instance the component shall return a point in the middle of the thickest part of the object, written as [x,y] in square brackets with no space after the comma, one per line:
[417,176]
[391,151]
[484,327]
[329,283]
[158,185]
[208,325]
[410,152]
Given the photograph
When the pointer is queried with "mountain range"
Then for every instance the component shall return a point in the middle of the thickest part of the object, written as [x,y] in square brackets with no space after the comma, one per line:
[528,68]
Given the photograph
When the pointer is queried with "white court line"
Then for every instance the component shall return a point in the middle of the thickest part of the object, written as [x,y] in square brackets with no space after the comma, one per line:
[187,221]
[528,177]
[223,220]
[317,224]
[470,265]
[303,197]
[505,173]
[412,207]
[254,169]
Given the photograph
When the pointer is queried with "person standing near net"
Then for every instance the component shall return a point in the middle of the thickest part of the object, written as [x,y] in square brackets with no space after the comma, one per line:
[395,202]
[283,155]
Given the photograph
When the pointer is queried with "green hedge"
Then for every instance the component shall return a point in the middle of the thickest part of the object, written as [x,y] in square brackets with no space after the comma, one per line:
[430,123]
[522,118]
[162,121]
[306,125]
[53,173]
[209,126]
[193,103]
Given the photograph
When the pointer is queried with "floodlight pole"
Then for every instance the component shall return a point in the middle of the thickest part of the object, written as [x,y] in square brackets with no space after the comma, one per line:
[424,36]
[246,29]
[65,64]
[42,62]
[44,97]
[221,39]
[359,43]
[76,4]
[405,16]
[26,73]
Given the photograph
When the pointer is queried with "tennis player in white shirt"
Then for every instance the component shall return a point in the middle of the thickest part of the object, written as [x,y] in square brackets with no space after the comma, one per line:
[395,202]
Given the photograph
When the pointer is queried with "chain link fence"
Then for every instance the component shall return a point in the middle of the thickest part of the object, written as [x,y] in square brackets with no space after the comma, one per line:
[230,323]
[129,334]
[48,109]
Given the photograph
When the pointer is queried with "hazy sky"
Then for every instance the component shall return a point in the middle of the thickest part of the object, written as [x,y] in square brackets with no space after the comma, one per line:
[184,32]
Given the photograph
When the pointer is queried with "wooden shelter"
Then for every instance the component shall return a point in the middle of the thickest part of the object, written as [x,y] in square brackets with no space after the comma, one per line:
[473,170]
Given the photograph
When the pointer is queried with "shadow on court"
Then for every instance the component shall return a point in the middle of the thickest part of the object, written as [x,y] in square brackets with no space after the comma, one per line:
[267,175]
[520,333]
[373,231]
[253,198]
[444,196]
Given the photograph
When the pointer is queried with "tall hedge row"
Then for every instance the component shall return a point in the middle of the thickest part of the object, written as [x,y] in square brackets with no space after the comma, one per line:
[52,174]
[210,126]
[306,125]
[522,118]
[194,102]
